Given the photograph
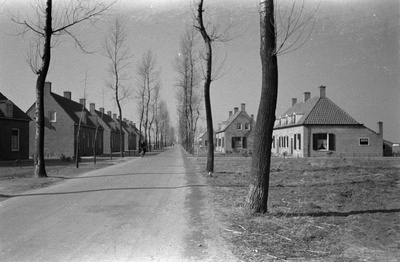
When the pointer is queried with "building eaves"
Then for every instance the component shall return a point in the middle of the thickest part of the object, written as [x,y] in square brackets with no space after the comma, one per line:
[18,114]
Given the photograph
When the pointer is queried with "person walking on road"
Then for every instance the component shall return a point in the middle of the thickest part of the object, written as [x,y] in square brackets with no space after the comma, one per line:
[142,148]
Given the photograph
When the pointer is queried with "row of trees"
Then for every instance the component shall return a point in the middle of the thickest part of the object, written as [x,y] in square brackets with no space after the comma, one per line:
[53,23]
[277,26]
[189,94]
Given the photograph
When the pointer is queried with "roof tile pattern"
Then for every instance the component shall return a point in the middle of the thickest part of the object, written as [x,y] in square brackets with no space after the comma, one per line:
[319,111]
[325,112]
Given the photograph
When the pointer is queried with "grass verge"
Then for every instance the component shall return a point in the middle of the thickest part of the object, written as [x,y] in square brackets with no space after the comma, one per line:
[322,209]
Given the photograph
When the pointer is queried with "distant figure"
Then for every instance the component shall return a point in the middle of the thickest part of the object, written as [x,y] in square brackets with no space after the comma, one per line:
[143,148]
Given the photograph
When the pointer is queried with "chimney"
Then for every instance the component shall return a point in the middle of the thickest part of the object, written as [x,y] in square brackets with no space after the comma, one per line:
[306,96]
[230,113]
[252,117]
[109,113]
[243,107]
[294,101]
[67,94]
[101,110]
[47,88]
[236,109]
[115,117]
[134,124]
[380,128]
[92,108]
[322,91]
[82,101]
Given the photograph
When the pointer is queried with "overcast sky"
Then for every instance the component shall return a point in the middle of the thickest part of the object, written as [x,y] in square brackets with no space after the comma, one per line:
[353,50]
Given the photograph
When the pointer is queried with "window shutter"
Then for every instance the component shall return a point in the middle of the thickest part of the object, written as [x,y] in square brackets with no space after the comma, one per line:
[315,141]
[332,142]
[295,142]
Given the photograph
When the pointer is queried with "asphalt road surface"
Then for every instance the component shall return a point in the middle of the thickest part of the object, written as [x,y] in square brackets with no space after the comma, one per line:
[146,209]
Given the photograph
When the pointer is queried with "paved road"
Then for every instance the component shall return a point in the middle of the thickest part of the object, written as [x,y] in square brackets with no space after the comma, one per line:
[146,209]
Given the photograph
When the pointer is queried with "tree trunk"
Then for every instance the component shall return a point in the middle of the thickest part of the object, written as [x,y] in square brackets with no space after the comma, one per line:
[40,170]
[257,198]
[207,84]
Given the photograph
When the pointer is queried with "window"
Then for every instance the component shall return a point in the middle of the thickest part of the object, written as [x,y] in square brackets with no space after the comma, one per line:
[236,142]
[223,141]
[247,126]
[299,140]
[244,142]
[273,142]
[364,141]
[239,126]
[323,142]
[15,140]
[52,116]
[206,143]
[219,141]
[9,109]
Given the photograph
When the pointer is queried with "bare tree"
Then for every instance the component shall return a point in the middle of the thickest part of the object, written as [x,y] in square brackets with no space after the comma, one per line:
[215,34]
[47,26]
[188,80]
[148,80]
[116,51]
[257,198]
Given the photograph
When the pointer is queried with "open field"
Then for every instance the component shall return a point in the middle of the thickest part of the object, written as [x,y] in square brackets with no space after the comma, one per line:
[320,209]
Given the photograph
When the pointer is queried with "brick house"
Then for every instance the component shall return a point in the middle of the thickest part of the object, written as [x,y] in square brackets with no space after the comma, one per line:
[317,127]
[111,129]
[236,133]
[62,118]
[14,131]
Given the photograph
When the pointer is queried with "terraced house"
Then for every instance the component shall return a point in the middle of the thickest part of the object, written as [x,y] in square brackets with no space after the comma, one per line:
[14,131]
[317,127]
[64,118]
[111,138]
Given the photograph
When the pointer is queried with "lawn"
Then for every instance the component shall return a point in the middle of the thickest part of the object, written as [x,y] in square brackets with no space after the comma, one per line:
[320,209]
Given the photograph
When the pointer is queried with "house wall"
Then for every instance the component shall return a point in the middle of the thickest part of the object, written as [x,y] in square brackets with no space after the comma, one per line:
[288,148]
[346,142]
[220,142]
[86,140]
[59,135]
[232,131]
[6,126]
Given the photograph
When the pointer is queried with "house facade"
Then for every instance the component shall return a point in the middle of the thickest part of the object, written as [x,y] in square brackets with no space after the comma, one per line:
[236,134]
[317,127]
[64,119]
[14,131]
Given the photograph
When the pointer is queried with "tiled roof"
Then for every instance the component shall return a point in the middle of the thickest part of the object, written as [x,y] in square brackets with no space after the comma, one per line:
[17,112]
[227,123]
[319,111]
[325,112]
[71,107]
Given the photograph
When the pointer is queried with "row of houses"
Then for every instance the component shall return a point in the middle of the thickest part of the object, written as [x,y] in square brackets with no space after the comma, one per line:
[97,131]
[313,127]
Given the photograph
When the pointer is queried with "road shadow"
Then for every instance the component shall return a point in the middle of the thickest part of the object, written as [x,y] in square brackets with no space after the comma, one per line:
[102,190]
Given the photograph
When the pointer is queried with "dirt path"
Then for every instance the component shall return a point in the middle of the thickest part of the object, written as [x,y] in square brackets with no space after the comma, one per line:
[147,209]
